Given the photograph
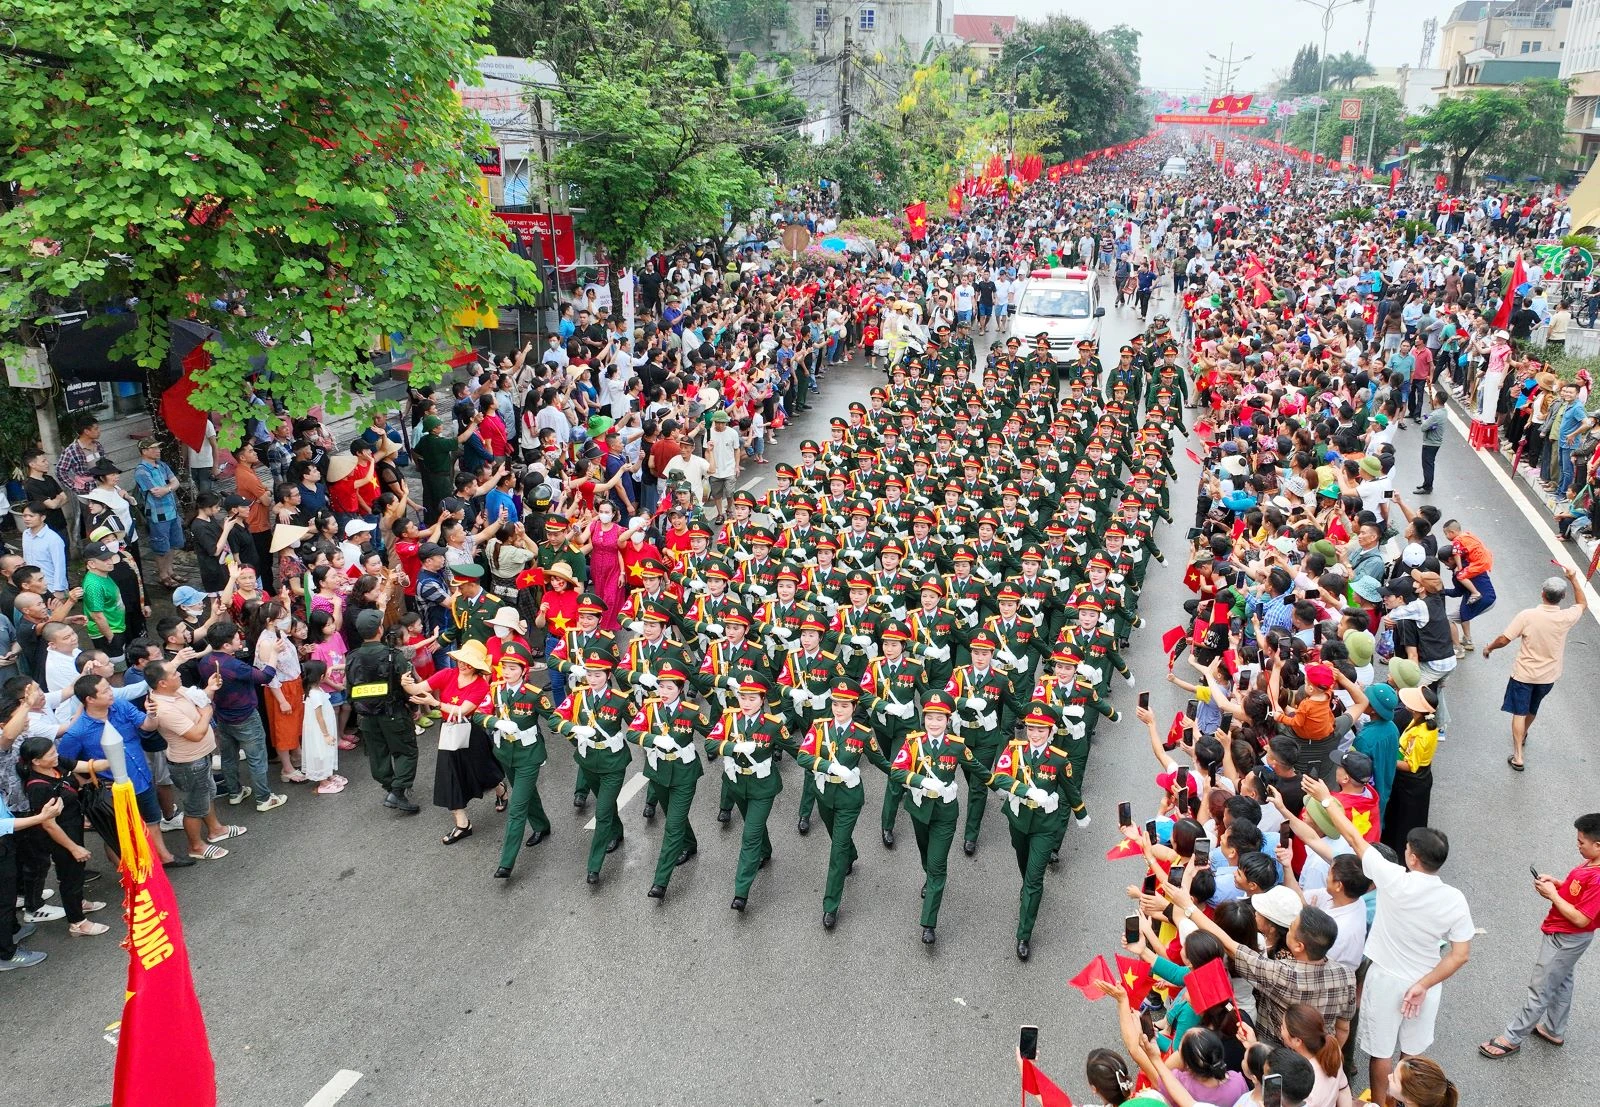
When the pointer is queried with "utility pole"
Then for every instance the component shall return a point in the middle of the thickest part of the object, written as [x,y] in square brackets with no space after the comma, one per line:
[844,80]
[1372,135]
[1366,40]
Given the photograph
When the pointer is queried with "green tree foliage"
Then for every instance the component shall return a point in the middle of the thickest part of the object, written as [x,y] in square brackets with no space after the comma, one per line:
[866,164]
[745,22]
[1061,62]
[1347,68]
[1508,131]
[1377,104]
[1305,73]
[662,148]
[311,157]
[1123,40]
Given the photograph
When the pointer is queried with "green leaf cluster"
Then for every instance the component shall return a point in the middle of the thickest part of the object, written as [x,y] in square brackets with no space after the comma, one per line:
[308,160]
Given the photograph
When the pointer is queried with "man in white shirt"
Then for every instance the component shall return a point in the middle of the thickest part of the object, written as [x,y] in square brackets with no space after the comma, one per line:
[691,466]
[1418,914]
[722,450]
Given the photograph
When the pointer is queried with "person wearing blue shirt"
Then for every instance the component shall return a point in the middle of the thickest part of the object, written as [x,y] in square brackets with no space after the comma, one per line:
[82,742]
[1573,421]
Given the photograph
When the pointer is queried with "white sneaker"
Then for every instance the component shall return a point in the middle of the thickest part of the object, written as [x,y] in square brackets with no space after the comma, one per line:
[47,913]
[271,802]
[240,796]
[46,894]
[174,823]
[1081,820]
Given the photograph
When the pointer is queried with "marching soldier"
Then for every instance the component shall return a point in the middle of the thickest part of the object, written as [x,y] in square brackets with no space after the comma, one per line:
[831,752]
[594,718]
[747,739]
[807,677]
[857,626]
[889,690]
[515,708]
[927,766]
[1079,706]
[666,727]
[471,606]
[987,703]
[1030,774]
[724,668]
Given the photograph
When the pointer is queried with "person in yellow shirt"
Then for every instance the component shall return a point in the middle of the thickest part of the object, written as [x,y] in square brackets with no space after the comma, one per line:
[1407,808]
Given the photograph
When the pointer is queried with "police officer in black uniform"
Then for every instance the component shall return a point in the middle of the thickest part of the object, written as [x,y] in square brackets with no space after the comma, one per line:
[373,674]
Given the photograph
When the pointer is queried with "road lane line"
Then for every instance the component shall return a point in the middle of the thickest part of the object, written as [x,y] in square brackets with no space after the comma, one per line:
[630,788]
[1540,527]
[334,1090]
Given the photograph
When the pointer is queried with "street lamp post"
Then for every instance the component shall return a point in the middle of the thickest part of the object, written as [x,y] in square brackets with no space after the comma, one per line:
[1327,8]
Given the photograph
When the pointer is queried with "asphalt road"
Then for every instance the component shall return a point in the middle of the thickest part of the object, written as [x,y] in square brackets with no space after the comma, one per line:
[338,936]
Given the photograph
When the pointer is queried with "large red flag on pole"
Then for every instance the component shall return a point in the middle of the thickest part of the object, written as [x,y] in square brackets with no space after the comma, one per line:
[1394,179]
[1508,302]
[162,1054]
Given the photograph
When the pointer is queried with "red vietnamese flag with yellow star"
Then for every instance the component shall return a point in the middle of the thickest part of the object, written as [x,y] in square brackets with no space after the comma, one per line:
[163,1056]
[1362,811]
[917,221]
[1136,978]
[1125,848]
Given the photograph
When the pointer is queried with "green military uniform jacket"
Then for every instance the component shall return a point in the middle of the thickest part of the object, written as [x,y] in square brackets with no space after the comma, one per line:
[595,725]
[921,761]
[824,744]
[746,743]
[1020,768]
[667,734]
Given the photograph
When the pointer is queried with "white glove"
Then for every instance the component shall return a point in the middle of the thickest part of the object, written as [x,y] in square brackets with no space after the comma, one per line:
[584,732]
[860,640]
[906,710]
[975,703]
[695,585]
[938,653]
[760,590]
[663,742]
[744,748]
[1131,681]
[947,792]
[636,626]
[852,777]
[1036,794]
[836,769]
[799,696]
[741,556]
[967,603]
[579,672]
[972,619]
[647,678]
[506,726]
[783,632]
[932,788]
[732,684]
[819,700]
[714,629]
[1051,573]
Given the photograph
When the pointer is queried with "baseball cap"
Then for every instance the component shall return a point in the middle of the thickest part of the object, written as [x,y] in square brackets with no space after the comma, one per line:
[1356,763]
[1277,904]
[231,502]
[354,527]
[98,551]
[187,595]
[368,623]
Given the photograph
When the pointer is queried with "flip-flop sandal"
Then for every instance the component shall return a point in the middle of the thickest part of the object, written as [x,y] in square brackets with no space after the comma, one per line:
[501,801]
[227,832]
[1538,1028]
[210,853]
[1498,1049]
[296,777]
[1515,765]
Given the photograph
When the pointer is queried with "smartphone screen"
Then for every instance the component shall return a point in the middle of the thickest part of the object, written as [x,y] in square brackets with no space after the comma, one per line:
[1189,710]
[1150,830]
[1534,869]
[1125,813]
[1202,851]
[1144,699]
[1194,805]
[1272,1091]
[1028,1042]
[1183,800]
[1130,928]
[1239,578]
[1149,887]
[1183,772]
[1194,532]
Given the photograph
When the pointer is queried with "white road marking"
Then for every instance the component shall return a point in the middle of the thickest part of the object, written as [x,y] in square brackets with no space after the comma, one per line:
[630,788]
[1540,528]
[750,485]
[334,1090]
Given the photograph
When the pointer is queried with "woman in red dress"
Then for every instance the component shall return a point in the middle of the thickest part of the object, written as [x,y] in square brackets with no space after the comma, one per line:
[466,767]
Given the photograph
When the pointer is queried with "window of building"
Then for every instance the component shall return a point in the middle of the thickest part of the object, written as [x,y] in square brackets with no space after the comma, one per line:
[868,19]
[1537,47]
[1526,46]
[822,19]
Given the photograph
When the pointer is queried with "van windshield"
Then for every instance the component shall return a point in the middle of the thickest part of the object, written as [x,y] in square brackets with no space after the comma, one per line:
[1055,303]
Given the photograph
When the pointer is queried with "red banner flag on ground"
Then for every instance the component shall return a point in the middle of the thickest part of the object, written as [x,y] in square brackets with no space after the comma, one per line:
[1094,970]
[1037,1083]
[1208,985]
[917,221]
[1508,302]
[162,1053]
[1136,977]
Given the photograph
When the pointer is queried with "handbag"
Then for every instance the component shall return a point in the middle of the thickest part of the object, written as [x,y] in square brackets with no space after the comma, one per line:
[455,735]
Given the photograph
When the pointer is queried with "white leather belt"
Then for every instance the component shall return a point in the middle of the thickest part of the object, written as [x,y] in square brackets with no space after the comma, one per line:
[758,769]
[655,756]
[611,742]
